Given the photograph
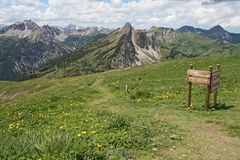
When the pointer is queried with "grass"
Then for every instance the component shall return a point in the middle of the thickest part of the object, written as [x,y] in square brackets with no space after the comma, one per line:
[93,117]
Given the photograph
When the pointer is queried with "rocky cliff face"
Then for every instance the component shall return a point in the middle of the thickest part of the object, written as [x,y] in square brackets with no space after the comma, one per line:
[140,47]
[19,29]
[125,54]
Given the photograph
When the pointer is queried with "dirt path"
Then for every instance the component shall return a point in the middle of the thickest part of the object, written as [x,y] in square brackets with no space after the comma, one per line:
[105,92]
[206,141]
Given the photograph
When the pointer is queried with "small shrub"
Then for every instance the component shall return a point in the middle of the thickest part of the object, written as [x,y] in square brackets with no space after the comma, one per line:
[132,96]
[143,94]
[54,98]
[119,122]
[140,94]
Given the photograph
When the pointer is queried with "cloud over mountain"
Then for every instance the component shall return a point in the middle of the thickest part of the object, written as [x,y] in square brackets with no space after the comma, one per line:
[114,13]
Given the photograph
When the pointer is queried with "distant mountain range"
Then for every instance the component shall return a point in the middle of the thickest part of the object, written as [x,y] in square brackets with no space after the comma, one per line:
[28,50]
[25,46]
[216,32]
[128,46]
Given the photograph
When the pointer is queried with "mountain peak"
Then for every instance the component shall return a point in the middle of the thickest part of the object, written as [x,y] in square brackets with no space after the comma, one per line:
[71,24]
[126,28]
[217,28]
[26,24]
[127,25]
[191,29]
[28,21]
[70,28]
[50,30]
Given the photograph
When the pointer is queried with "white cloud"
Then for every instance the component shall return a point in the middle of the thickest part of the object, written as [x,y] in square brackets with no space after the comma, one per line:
[114,13]
[117,3]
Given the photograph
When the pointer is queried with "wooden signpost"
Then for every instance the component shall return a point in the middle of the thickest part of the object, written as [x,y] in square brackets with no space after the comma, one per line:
[211,78]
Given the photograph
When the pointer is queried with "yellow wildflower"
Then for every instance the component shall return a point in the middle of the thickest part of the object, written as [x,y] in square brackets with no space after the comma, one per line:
[10,126]
[99,145]
[79,135]
[84,132]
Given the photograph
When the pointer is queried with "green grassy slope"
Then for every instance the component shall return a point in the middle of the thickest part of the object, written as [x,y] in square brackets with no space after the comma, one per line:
[92,116]
[192,45]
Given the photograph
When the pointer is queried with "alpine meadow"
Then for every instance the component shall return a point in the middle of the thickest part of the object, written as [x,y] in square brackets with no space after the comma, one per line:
[119,79]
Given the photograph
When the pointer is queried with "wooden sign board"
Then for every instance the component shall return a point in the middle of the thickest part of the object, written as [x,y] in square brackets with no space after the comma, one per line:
[216,73]
[215,80]
[199,80]
[199,73]
[214,88]
[210,78]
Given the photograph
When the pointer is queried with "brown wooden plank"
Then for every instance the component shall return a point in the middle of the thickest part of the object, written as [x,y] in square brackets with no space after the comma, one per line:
[215,77]
[190,90]
[216,73]
[215,82]
[199,73]
[208,91]
[199,80]
[215,92]
[213,88]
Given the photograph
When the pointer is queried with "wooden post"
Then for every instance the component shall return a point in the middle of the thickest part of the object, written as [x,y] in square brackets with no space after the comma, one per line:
[215,92]
[126,88]
[190,90]
[208,91]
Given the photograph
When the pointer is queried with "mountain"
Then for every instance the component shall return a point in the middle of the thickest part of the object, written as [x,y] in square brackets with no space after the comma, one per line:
[105,30]
[70,28]
[2,26]
[216,32]
[126,47]
[19,29]
[75,30]
[25,46]
[28,50]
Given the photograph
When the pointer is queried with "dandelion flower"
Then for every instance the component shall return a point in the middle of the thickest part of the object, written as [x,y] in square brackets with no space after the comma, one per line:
[99,145]
[79,135]
[10,126]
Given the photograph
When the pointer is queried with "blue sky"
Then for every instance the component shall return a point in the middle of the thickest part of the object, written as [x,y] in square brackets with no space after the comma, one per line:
[114,13]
